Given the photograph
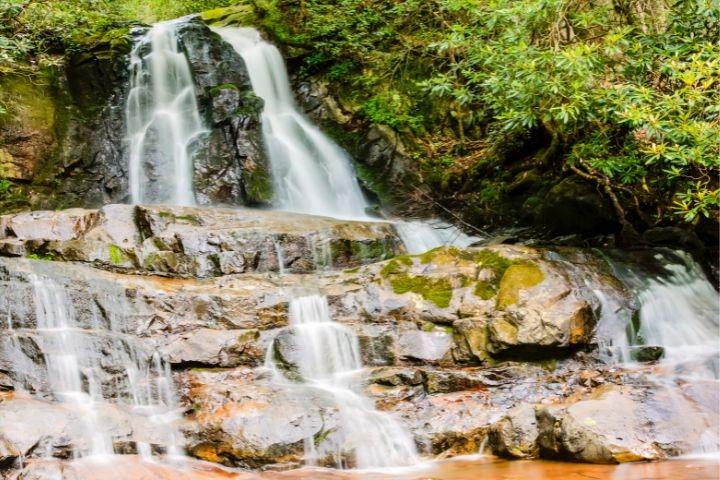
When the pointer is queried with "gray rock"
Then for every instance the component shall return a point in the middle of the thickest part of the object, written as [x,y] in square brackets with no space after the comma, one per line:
[240,422]
[214,348]
[516,434]
[625,424]
[427,346]
[200,242]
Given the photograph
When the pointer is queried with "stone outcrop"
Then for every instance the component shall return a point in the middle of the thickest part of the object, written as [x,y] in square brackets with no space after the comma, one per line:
[197,242]
[63,141]
[466,347]
[230,164]
[625,424]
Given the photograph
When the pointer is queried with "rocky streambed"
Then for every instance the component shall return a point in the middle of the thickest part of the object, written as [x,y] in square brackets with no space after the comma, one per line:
[498,348]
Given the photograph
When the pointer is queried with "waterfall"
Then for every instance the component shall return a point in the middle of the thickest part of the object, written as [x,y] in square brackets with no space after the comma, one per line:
[327,357]
[163,120]
[67,354]
[94,369]
[419,236]
[678,311]
[311,173]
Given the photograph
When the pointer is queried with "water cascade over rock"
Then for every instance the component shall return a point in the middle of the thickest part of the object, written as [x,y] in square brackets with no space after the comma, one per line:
[678,313]
[325,357]
[272,339]
[311,174]
[114,392]
[163,120]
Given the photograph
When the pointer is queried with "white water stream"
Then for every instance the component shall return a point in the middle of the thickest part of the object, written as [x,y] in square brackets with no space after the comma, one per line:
[100,375]
[327,357]
[678,311]
[163,120]
[311,173]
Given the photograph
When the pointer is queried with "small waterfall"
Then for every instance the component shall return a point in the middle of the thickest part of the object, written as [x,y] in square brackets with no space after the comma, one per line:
[327,357]
[311,173]
[678,310]
[67,353]
[422,235]
[94,368]
[163,120]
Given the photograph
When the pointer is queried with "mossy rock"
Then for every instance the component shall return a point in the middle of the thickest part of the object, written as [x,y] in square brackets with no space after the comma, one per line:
[29,129]
[257,183]
[118,257]
[517,277]
[396,265]
[249,104]
[225,86]
[485,289]
[236,15]
[436,290]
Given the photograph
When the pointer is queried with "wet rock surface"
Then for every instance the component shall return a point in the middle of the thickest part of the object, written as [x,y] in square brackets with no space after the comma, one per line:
[197,242]
[486,347]
[67,133]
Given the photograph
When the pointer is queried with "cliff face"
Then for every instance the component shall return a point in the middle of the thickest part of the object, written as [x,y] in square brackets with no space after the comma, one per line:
[63,141]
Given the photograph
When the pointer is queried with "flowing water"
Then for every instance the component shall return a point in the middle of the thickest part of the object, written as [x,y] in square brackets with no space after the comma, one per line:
[327,357]
[311,173]
[674,310]
[163,120]
[67,353]
[677,309]
[93,363]
[422,235]
[99,374]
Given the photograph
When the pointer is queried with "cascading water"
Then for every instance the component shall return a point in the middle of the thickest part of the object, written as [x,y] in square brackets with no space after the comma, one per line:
[163,120]
[67,354]
[92,367]
[327,356]
[311,173]
[422,235]
[678,310]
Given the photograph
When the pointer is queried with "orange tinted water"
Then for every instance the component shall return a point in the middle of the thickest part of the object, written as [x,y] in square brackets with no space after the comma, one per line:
[497,469]
[482,468]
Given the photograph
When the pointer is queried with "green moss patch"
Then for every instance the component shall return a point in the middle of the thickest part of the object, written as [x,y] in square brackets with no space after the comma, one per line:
[517,277]
[439,291]
[485,289]
[117,255]
[396,265]
[235,15]
[494,261]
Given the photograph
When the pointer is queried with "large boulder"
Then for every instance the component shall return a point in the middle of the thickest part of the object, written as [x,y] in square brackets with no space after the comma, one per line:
[230,165]
[516,434]
[240,421]
[626,424]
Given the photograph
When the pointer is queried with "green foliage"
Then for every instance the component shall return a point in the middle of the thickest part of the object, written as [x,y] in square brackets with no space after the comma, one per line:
[627,89]
[43,29]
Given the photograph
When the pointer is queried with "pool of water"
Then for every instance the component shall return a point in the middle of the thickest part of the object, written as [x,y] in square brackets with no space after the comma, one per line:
[469,468]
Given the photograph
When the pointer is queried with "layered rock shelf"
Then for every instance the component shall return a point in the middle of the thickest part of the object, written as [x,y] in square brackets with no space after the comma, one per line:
[493,345]
[195,242]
